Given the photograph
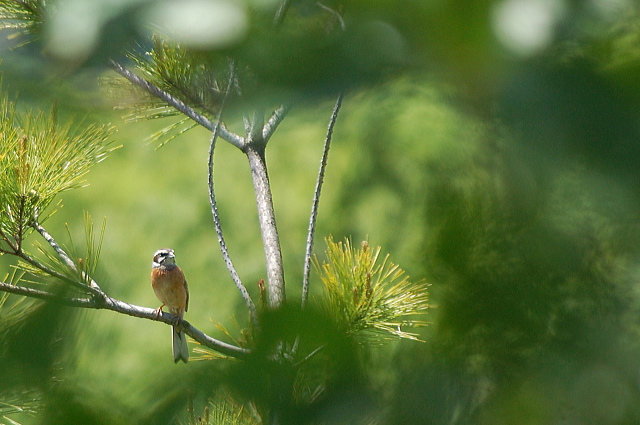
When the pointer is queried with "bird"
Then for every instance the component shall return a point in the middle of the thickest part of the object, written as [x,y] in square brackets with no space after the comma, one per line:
[170,286]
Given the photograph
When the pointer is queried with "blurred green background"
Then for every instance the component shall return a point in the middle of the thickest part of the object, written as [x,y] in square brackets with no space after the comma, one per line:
[500,167]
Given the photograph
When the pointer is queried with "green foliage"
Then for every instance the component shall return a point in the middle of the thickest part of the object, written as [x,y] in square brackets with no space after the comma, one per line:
[532,279]
[38,160]
[370,298]
[197,79]
[192,77]
[222,409]
[25,16]
[15,400]
[11,404]
[84,264]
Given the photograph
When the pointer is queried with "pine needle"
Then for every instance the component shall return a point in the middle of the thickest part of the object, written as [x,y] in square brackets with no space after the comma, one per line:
[194,78]
[40,159]
[25,16]
[370,298]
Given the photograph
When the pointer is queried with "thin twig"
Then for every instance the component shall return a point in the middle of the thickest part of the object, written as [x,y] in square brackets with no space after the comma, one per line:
[316,201]
[156,91]
[334,13]
[108,303]
[308,356]
[216,217]
[281,12]
[11,245]
[274,121]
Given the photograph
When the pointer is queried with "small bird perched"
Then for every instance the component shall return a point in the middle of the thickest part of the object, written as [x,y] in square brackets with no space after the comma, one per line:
[171,288]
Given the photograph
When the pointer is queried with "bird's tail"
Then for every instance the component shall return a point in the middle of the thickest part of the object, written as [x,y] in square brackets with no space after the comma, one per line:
[180,348]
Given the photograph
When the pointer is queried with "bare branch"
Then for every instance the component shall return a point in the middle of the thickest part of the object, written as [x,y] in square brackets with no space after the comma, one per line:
[107,303]
[316,201]
[281,12]
[274,121]
[47,296]
[156,91]
[254,149]
[256,129]
[148,313]
[216,217]
[334,13]
[268,229]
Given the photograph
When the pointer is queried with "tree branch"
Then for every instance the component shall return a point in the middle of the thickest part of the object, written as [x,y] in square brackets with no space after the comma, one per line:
[274,121]
[148,313]
[281,12]
[156,91]
[107,303]
[216,217]
[316,201]
[63,255]
[47,296]
[254,149]
[83,287]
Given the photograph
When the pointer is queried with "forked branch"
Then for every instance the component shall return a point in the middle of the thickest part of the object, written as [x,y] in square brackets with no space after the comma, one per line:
[268,229]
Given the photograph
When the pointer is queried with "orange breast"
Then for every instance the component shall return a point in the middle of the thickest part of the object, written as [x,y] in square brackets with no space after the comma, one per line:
[169,286]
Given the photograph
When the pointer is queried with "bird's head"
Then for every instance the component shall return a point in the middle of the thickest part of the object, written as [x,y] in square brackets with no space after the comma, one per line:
[164,258]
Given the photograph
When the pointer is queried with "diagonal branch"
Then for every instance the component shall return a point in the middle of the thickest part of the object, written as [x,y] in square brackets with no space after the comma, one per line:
[61,253]
[281,12]
[216,217]
[156,91]
[107,303]
[47,296]
[316,201]
[274,121]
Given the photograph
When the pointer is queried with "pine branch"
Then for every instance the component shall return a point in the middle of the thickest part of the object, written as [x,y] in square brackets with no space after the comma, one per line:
[268,229]
[63,255]
[216,217]
[176,103]
[53,273]
[105,302]
[149,313]
[38,160]
[274,121]
[26,16]
[44,295]
[370,298]
[316,201]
